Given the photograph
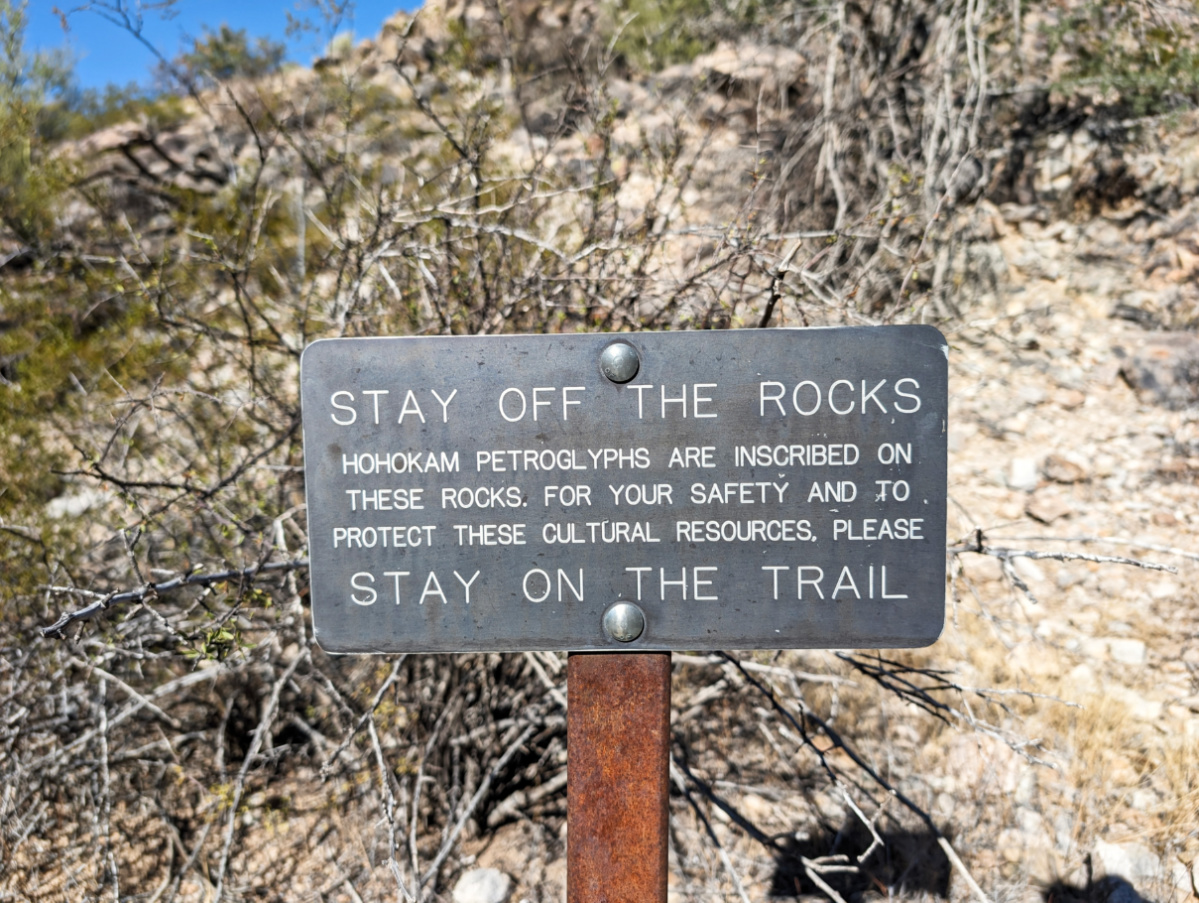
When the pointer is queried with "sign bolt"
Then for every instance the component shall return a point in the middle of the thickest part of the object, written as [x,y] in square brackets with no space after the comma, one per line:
[619,362]
[624,622]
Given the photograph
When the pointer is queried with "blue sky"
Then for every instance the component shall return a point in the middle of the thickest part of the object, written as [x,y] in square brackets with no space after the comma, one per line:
[104,53]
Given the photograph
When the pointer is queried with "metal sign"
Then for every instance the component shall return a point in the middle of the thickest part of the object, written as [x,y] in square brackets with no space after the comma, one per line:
[698,490]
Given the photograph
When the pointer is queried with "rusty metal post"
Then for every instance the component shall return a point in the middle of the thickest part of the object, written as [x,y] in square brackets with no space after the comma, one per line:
[618,748]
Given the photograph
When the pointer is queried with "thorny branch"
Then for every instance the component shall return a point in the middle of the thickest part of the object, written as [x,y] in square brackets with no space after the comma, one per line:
[977,544]
[150,591]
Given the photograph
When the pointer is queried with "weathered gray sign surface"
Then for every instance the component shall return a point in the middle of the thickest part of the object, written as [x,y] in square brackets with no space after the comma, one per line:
[742,489]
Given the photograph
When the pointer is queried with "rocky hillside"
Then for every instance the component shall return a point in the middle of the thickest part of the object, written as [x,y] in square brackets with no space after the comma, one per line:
[178,735]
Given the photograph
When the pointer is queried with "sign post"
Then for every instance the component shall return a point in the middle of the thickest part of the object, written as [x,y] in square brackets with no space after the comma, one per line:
[628,495]
[618,742]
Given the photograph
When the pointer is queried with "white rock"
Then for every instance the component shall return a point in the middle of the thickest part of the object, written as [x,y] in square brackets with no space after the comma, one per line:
[1010,845]
[1068,577]
[944,804]
[1164,589]
[482,886]
[1048,505]
[1063,831]
[1062,468]
[1031,825]
[1143,800]
[1032,395]
[1028,570]
[1023,474]
[1082,680]
[1134,862]
[74,505]
[1180,877]
[1126,651]
[1139,707]
[1026,793]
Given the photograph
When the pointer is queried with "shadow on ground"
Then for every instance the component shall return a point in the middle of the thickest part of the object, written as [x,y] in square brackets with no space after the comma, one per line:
[908,861]
[1112,889]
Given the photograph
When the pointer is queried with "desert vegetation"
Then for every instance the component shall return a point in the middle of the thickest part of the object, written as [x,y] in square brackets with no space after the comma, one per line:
[1014,173]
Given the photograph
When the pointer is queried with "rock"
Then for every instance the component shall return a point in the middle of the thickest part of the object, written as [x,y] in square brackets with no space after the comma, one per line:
[1164,369]
[1061,469]
[1143,800]
[756,809]
[1126,651]
[1030,659]
[1134,862]
[1031,395]
[1139,707]
[754,72]
[482,886]
[1028,570]
[1020,213]
[1047,506]
[1161,590]
[944,805]
[75,505]
[1063,831]
[1068,577]
[1181,876]
[1010,845]
[1024,797]
[1022,474]
[1070,398]
[554,885]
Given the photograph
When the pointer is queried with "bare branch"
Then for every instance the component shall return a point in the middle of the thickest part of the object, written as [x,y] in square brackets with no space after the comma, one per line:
[151,590]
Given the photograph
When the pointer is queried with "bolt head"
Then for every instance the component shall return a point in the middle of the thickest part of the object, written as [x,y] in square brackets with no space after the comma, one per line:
[620,362]
[624,622]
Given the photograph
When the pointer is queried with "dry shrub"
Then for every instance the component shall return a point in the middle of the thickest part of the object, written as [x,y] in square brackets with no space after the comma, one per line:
[177,733]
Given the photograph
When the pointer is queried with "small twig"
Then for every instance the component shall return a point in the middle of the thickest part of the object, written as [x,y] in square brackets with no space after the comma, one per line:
[352,891]
[448,845]
[812,870]
[389,807]
[106,803]
[553,689]
[522,799]
[264,725]
[1108,540]
[777,277]
[876,841]
[105,675]
[362,720]
[775,670]
[676,775]
[130,549]
[449,712]
[1008,554]
[24,532]
[960,866]
[180,683]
